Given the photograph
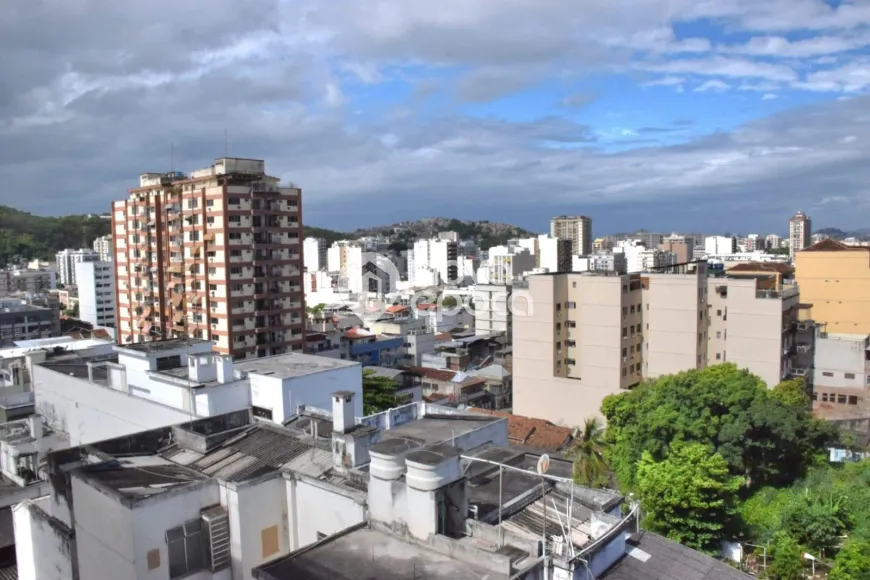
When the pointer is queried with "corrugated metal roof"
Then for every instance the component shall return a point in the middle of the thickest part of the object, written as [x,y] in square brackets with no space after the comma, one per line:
[257,451]
[9,573]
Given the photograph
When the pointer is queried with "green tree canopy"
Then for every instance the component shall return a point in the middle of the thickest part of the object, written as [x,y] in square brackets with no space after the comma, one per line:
[24,236]
[853,562]
[788,563]
[690,497]
[379,393]
[730,410]
[793,393]
[817,521]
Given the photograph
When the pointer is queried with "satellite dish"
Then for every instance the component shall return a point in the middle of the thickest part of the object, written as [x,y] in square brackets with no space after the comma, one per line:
[543,464]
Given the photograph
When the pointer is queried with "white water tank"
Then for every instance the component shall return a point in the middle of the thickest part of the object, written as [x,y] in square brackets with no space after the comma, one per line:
[433,467]
[388,457]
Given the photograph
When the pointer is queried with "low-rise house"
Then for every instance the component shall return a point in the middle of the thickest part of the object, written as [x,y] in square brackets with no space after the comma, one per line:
[408,385]
[529,432]
[459,388]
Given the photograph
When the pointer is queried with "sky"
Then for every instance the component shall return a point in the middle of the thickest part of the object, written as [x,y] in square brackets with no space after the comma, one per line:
[668,115]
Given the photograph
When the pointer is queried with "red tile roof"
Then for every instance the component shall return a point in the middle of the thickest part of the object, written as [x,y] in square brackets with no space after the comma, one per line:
[443,336]
[830,245]
[532,432]
[434,374]
[425,306]
[779,267]
[358,333]
[396,308]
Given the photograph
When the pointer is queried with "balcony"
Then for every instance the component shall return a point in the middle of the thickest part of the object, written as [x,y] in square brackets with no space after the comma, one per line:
[804,348]
[806,325]
[799,372]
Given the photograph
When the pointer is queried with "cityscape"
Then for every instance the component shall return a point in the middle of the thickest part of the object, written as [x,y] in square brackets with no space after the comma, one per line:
[380,290]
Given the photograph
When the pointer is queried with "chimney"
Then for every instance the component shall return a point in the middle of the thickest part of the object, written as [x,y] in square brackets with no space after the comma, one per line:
[35,424]
[224,363]
[342,411]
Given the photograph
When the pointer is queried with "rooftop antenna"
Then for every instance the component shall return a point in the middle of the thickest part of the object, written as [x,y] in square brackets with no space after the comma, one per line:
[226,143]
[172,158]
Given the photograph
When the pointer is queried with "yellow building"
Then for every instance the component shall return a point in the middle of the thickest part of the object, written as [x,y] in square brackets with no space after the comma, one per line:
[835,280]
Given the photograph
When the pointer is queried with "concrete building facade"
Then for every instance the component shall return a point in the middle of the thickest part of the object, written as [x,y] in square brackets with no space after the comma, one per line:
[835,279]
[578,229]
[103,246]
[314,251]
[67,260]
[96,287]
[214,255]
[800,232]
[591,335]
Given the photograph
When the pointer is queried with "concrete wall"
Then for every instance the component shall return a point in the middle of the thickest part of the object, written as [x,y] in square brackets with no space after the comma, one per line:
[838,356]
[836,283]
[114,541]
[283,397]
[90,412]
[754,331]
[257,510]
[44,546]
[675,311]
[219,399]
[318,507]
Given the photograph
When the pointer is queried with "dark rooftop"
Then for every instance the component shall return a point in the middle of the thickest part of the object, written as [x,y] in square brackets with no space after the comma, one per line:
[441,428]
[254,451]
[15,400]
[365,554]
[649,556]
[136,478]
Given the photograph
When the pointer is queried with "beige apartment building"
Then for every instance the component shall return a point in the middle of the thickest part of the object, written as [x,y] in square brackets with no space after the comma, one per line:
[800,231]
[215,255]
[589,335]
[578,229]
[834,279]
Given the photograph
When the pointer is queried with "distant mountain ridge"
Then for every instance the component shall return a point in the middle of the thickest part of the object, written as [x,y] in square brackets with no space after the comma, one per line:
[402,234]
[24,236]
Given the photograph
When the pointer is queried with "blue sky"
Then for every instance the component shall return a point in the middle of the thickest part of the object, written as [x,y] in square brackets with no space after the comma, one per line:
[705,115]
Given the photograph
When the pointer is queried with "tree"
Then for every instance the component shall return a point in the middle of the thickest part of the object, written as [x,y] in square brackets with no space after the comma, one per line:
[853,562]
[787,563]
[72,311]
[448,301]
[379,393]
[590,467]
[792,393]
[316,309]
[690,497]
[760,437]
[817,522]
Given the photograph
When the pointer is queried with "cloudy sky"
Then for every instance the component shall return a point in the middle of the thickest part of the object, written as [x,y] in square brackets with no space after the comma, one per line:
[666,114]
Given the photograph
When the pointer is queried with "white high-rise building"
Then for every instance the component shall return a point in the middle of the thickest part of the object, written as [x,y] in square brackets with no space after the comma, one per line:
[67,259]
[506,265]
[314,254]
[773,242]
[103,246]
[720,246]
[639,258]
[96,283]
[437,255]
[800,232]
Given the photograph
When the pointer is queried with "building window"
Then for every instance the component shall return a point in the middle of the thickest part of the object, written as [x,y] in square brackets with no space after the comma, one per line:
[824,397]
[186,549]
[236,253]
[849,375]
[718,356]
[573,284]
[718,313]
[841,399]
[571,305]
[233,201]
[235,235]
[827,374]
[624,310]
[234,219]
[718,334]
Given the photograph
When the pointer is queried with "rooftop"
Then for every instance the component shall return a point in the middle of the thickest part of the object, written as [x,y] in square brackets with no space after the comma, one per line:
[138,478]
[531,432]
[163,345]
[432,429]
[292,365]
[649,556]
[16,400]
[366,554]
[831,245]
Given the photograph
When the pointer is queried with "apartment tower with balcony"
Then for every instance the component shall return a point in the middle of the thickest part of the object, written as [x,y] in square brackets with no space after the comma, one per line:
[577,228]
[215,255]
[800,233]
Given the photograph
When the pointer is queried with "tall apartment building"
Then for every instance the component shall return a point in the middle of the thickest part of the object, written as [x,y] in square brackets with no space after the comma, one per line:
[578,229]
[587,335]
[773,242]
[67,260]
[214,255]
[437,255]
[103,247]
[720,245]
[96,287]
[18,280]
[506,265]
[314,252]
[835,279]
[492,311]
[800,231]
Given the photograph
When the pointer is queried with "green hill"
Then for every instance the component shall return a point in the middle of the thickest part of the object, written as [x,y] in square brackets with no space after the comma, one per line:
[27,236]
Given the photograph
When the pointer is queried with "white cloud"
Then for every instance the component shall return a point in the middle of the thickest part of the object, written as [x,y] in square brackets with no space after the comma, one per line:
[778,46]
[712,86]
[665,82]
[720,66]
[769,97]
